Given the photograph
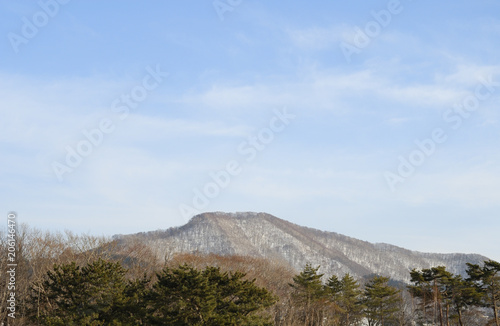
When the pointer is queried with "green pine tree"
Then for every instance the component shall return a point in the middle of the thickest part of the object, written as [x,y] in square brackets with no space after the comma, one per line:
[432,288]
[348,299]
[421,290]
[442,293]
[308,296]
[239,301]
[438,277]
[135,310]
[71,295]
[487,280]
[187,296]
[381,302]
[307,285]
[461,295]
[182,296]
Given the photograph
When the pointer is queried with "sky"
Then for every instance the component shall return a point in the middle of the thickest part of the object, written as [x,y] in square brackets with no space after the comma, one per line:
[378,120]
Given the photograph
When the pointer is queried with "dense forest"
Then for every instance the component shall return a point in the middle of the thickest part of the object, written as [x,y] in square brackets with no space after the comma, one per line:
[68,279]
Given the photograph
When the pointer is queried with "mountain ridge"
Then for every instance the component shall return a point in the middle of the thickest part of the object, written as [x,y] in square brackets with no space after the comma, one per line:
[267,236]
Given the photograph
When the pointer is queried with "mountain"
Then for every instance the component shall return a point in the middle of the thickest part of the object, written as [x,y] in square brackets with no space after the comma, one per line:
[264,235]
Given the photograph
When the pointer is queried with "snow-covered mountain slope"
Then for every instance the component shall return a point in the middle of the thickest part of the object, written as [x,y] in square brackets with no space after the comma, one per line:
[264,235]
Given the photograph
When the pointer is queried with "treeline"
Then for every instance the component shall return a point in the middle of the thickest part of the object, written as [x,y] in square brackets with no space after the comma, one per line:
[68,279]
[98,294]
[435,297]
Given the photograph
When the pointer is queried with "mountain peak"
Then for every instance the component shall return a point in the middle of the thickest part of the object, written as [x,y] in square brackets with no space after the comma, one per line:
[264,235]
[237,215]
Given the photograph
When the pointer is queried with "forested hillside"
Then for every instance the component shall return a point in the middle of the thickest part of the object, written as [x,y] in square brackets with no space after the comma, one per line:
[68,279]
[266,236]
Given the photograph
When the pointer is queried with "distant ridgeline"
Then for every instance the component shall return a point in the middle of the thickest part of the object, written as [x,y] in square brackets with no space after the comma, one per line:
[266,236]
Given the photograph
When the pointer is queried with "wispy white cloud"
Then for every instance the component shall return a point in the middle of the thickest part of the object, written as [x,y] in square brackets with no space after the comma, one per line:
[469,75]
[447,180]
[318,38]
[327,89]
[143,127]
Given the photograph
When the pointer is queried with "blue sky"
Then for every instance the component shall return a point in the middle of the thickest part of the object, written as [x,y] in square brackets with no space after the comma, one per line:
[378,120]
